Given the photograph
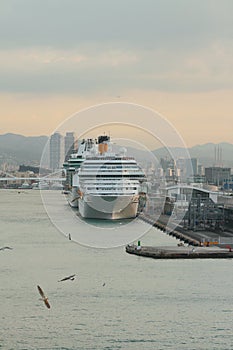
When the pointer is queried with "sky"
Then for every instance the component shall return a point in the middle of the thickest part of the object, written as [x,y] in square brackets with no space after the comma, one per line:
[58,57]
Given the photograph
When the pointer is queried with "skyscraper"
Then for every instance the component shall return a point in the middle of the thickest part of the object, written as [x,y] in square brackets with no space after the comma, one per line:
[194,163]
[55,151]
[69,144]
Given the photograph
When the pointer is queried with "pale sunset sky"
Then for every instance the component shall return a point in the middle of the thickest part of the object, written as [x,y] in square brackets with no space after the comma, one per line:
[173,56]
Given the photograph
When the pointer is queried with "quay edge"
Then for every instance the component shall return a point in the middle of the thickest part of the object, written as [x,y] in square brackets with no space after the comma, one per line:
[175,233]
[179,252]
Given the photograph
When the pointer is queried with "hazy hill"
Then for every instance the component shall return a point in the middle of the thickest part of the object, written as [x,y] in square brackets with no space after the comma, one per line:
[18,149]
[204,153]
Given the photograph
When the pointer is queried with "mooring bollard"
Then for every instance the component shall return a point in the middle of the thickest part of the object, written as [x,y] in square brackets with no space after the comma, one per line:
[139,246]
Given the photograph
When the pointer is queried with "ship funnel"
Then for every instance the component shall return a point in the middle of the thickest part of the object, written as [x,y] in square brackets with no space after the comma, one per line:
[103,144]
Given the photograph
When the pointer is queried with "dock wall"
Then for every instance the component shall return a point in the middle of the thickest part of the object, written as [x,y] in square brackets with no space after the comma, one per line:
[177,232]
[179,252]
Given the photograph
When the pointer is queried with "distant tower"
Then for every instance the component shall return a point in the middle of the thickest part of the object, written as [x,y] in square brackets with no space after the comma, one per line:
[69,144]
[55,151]
[218,155]
[194,163]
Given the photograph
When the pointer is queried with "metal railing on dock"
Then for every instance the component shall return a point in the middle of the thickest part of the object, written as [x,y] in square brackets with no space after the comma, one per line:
[195,238]
[174,231]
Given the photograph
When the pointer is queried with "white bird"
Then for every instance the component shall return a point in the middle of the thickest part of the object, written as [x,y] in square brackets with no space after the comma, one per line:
[44,298]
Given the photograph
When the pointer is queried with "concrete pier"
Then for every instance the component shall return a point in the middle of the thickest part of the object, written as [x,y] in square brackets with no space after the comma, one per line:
[178,232]
[180,252]
[195,238]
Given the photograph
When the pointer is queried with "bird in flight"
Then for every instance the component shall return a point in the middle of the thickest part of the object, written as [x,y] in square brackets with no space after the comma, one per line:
[71,278]
[44,298]
[3,248]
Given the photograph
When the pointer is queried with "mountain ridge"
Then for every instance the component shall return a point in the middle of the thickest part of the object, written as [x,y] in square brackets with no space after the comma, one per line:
[20,149]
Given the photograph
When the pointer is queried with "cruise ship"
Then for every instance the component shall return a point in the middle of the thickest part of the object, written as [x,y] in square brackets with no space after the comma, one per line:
[108,183]
[72,167]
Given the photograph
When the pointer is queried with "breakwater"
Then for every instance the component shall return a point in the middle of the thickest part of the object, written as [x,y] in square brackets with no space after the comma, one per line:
[180,252]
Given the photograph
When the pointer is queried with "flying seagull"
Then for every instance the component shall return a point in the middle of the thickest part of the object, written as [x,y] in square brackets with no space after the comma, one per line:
[3,248]
[44,298]
[71,278]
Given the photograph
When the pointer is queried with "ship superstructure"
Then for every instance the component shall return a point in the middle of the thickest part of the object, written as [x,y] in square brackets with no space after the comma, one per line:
[72,167]
[109,183]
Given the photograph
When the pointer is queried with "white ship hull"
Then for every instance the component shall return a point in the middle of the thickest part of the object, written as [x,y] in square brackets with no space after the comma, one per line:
[108,207]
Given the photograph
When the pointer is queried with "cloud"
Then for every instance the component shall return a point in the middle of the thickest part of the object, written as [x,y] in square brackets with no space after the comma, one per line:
[69,46]
[130,23]
[91,69]
[48,70]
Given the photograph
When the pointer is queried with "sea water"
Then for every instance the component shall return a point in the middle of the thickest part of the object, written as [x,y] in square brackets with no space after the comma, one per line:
[117,301]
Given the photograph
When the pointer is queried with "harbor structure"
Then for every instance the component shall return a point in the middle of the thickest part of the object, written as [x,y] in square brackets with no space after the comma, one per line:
[195,215]
[180,252]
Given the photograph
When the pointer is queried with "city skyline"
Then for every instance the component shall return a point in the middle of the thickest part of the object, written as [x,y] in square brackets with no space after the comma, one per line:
[173,57]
